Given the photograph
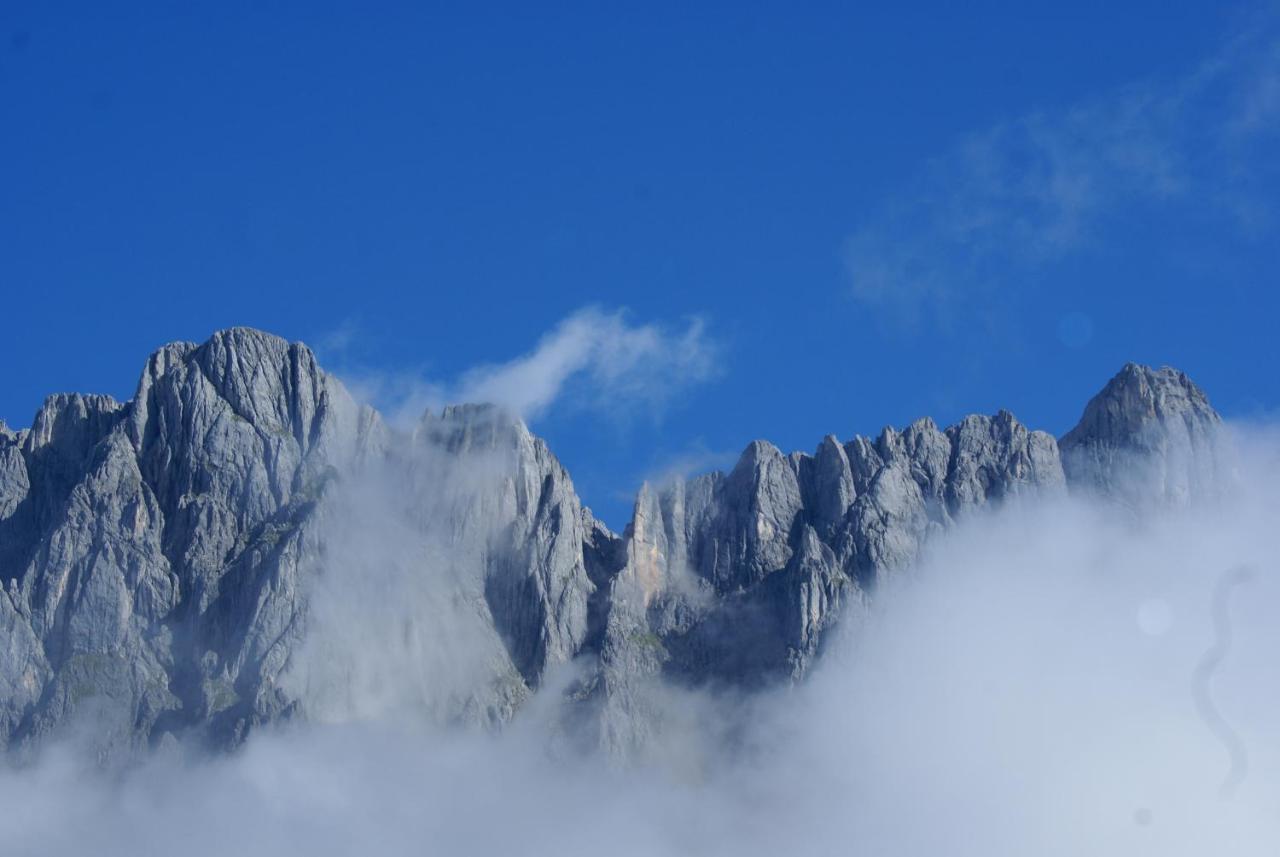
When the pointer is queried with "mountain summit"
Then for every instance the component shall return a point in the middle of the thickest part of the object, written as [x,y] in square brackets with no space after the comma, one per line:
[244,543]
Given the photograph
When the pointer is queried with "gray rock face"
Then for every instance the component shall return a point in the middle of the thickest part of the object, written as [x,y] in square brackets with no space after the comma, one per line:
[159,556]
[735,579]
[451,576]
[243,542]
[1149,436]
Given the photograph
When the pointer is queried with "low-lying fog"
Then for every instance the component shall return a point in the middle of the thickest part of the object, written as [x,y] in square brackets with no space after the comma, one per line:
[1054,679]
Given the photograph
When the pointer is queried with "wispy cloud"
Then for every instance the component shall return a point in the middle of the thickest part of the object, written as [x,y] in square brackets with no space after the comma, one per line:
[689,462]
[337,341]
[595,360]
[979,220]
[618,364]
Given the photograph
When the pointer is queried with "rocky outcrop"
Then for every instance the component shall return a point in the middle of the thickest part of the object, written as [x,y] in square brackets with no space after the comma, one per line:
[1149,436]
[451,576]
[734,579]
[159,556]
[243,543]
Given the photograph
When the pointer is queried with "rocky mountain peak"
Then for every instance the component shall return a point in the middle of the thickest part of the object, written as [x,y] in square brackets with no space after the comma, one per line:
[1150,435]
[69,424]
[1137,399]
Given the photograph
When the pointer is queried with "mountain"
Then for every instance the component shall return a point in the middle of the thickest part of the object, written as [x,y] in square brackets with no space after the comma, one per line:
[1150,435]
[243,543]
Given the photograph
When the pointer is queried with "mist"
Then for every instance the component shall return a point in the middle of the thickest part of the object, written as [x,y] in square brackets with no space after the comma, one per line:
[1059,676]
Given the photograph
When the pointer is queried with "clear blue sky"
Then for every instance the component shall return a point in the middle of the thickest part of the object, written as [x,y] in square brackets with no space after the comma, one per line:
[878,211]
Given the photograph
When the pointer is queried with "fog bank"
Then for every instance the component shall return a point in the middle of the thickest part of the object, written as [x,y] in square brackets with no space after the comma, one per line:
[1037,685]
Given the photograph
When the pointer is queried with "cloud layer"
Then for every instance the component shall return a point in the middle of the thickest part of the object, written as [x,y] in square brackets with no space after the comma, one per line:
[1031,688]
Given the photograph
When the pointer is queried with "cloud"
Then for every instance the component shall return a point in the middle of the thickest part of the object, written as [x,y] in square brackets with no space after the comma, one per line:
[402,396]
[1026,702]
[397,624]
[1030,688]
[621,365]
[594,360]
[979,221]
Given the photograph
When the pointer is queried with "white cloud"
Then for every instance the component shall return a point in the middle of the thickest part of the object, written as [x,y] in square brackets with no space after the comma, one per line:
[594,360]
[620,365]
[1013,695]
[401,396]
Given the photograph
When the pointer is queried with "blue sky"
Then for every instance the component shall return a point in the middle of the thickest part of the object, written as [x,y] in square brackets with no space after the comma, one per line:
[664,229]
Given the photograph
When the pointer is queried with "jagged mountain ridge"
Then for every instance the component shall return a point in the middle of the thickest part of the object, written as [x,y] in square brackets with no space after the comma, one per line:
[169,563]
